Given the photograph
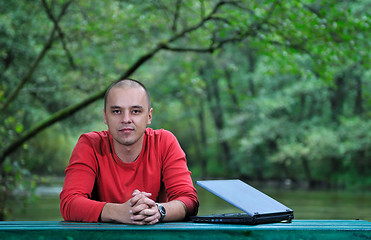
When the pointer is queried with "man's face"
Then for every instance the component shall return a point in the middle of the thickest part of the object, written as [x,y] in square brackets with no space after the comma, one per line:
[127,115]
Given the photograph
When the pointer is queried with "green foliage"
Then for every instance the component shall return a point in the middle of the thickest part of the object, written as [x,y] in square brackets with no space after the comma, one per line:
[17,186]
[55,149]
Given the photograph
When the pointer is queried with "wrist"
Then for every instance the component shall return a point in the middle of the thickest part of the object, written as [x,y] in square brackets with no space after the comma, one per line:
[106,213]
[161,209]
[115,212]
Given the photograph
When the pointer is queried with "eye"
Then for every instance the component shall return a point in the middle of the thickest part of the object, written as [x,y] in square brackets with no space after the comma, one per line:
[116,111]
[136,111]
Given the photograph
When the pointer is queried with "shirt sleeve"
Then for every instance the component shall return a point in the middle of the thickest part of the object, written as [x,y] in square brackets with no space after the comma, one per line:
[76,203]
[176,176]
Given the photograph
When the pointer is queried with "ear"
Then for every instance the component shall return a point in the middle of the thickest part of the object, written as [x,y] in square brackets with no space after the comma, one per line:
[104,116]
[150,116]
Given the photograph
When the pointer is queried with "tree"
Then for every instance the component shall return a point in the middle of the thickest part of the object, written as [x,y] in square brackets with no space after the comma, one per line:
[210,23]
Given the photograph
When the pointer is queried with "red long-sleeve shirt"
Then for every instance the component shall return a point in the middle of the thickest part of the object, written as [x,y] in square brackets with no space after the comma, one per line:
[96,176]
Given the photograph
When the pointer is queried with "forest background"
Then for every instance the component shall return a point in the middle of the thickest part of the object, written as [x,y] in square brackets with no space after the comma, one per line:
[265,90]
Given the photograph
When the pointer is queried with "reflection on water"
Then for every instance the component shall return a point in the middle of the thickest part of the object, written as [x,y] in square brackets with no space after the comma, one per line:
[306,204]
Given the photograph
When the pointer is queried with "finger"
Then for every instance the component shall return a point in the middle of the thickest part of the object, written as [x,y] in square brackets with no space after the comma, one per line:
[136,199]
[135,192]
[146,213]
[140,199]
[149,202]
[149,212]
[153,222]
[152,219]
[146,219]
[143,204]
[138,209]
[143,195]
[147,194]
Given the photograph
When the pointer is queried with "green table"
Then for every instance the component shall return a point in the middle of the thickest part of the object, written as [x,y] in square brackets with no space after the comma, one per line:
[298,229]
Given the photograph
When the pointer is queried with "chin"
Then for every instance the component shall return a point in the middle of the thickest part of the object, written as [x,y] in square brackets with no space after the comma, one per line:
[127,142]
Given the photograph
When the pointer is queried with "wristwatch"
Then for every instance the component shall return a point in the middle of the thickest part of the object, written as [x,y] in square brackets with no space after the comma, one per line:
[162,211]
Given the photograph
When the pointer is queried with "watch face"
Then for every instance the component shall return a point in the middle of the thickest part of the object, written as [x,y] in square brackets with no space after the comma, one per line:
[162,210]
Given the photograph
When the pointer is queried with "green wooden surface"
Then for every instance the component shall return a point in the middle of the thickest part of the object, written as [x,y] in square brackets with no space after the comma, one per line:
[298,229]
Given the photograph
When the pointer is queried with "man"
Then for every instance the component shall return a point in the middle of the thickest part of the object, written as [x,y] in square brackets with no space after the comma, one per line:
[129,174]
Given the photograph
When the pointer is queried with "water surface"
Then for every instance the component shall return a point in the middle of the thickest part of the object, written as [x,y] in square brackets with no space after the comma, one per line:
[322,204]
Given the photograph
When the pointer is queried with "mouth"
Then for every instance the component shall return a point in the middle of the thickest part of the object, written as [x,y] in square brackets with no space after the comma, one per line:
[126,130]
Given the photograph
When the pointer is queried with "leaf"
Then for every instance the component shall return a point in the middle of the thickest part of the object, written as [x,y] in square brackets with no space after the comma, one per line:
[19,128]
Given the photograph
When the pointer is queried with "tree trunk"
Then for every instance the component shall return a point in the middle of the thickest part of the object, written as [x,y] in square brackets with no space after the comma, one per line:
[202,127]
[252,66]
[213,98]
[308,173]
[358,103]
[232,90]
[337,98]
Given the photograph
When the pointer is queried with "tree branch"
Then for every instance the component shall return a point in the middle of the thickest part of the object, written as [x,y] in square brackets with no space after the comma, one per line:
[35,64]
[198,50]
[60,33]
[66,112]
[200,24]
[176,15]
[48,122]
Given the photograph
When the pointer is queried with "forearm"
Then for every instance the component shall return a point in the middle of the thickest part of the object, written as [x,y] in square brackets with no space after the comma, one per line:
[79,208]
[114,212]
[175,211]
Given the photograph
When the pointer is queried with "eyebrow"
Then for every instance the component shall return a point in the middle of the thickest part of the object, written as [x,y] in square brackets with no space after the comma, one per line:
[114,107]
[135,106]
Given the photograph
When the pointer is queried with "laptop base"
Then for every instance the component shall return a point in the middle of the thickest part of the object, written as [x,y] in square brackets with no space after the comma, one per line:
[243,218]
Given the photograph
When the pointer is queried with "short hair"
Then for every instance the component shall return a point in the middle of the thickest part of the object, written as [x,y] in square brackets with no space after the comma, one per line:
[127,83]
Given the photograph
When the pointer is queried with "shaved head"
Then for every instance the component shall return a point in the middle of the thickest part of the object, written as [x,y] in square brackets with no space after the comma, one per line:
[127,83]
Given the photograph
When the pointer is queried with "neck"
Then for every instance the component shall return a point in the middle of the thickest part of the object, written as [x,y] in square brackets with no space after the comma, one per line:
[128,153]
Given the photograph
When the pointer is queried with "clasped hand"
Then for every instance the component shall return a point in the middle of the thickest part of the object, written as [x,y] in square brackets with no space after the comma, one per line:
[143,210]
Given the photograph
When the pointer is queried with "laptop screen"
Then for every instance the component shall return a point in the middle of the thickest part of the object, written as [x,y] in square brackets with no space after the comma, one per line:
[244,197]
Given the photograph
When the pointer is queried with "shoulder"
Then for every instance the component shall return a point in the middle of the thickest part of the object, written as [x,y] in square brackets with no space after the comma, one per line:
[95,135]
[91,144]
[160,134]
[161,139]
[165,145]
[94,138]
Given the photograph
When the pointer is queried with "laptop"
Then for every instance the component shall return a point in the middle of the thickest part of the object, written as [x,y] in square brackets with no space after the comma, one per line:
[257,207]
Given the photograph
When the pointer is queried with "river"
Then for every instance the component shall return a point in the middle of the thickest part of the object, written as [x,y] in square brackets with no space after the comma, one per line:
[319,204]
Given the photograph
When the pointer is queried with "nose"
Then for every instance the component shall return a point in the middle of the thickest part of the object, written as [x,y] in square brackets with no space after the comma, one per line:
[126,117]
